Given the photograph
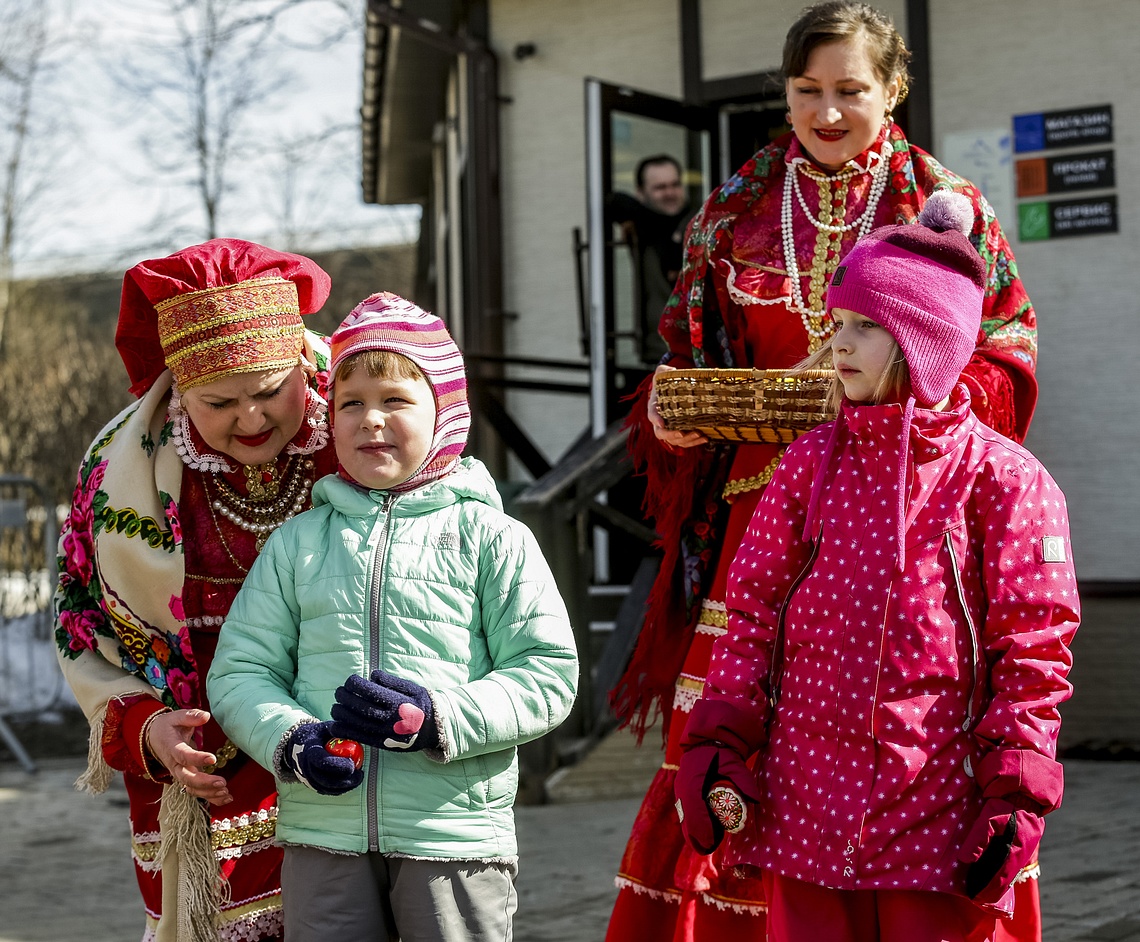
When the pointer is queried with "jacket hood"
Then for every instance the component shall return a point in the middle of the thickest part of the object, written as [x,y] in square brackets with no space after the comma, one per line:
[469,481]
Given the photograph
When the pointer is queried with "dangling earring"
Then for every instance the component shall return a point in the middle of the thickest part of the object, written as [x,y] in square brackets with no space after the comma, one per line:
[174,408]
[888,116]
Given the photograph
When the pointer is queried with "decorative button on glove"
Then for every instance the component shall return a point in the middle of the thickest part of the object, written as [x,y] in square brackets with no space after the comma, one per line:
[307,758]
[718,735]
[388,712]
[701,768]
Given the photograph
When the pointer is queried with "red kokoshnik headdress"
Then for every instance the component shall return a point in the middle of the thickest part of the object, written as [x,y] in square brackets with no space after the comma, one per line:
[225,306]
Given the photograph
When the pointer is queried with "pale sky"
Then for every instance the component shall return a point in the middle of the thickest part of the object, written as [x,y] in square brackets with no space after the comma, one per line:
[97,209]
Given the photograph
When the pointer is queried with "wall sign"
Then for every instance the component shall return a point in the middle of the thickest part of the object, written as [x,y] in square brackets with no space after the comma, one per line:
[1037,176]
[1074,127]
[1050,220]
[1045,175]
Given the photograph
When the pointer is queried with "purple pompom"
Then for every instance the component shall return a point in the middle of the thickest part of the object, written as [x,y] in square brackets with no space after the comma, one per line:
[945,210]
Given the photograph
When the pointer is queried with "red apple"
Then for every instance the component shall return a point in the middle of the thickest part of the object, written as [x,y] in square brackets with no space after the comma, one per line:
[348,748]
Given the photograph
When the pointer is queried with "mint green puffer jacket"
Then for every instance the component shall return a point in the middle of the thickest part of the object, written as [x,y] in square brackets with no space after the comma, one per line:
[437,585]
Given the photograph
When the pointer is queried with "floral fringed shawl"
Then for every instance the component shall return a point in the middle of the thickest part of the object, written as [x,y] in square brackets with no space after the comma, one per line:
[121,629]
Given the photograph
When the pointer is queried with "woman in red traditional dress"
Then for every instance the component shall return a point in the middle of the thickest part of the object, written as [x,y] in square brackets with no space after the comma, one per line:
[758,260]
[175,498]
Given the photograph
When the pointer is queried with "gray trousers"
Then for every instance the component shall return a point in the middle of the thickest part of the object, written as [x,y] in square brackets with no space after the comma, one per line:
[370,898]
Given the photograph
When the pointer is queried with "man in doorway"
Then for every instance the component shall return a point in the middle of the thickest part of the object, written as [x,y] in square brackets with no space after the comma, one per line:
[653,225]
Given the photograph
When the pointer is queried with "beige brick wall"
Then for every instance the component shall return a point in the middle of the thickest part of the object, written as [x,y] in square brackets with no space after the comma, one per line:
[740,36]
[992,61]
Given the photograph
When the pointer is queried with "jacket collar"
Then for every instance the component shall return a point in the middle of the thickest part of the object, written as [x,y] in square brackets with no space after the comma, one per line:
[932,433]
[470,480]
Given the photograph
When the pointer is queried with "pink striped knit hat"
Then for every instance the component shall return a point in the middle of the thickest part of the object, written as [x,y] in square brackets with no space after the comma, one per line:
[385,321]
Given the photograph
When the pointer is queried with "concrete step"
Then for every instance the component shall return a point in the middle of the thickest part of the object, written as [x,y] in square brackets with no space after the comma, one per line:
[616,767]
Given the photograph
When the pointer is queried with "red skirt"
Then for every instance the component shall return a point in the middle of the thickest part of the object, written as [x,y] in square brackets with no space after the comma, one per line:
[242,835]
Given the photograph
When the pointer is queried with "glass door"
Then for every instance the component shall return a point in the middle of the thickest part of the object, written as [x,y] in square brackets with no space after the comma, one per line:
[651,161]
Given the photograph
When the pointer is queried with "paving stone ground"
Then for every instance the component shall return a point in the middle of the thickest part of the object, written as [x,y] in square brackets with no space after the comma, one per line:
[65,870]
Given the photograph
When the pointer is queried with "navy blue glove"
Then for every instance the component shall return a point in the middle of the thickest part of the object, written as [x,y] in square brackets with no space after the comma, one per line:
[307,758]
[387,712]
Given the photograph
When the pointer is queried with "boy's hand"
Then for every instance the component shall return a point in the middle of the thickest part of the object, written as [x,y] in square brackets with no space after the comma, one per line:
[307,758]
[387,712]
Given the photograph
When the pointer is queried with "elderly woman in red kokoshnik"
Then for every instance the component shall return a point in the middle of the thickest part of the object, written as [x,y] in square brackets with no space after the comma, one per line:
[175,498]
[759,257]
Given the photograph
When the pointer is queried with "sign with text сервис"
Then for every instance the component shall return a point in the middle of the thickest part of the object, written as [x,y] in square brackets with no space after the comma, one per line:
[1044,220]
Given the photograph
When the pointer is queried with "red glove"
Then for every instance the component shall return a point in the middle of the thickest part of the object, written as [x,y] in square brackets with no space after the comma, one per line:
[1020,786]
[700,769]
[718,736]
[1002,842]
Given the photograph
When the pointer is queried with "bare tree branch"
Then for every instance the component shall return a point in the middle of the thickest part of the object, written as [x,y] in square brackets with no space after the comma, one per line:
[26,55]
[202,83]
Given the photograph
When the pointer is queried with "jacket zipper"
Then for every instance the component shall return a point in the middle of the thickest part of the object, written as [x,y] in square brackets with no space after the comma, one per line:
[776,668]
[379,564]
[968,722]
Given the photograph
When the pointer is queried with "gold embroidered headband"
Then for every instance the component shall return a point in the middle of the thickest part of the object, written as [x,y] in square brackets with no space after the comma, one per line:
[242,328]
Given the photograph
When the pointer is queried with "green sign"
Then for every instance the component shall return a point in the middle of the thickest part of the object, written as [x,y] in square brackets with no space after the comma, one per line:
[1033,221]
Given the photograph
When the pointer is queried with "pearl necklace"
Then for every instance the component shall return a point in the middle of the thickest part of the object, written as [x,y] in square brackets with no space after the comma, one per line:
[264,519]
[813,323]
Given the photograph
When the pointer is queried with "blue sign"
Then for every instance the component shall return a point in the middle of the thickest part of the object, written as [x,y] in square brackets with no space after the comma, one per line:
[1028,132]
[1073,127]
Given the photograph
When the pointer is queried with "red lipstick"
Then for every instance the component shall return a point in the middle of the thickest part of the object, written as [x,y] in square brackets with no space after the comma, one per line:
[252,441]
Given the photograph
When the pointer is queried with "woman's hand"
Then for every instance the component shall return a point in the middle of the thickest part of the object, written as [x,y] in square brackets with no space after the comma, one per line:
[169,738]
[667,437]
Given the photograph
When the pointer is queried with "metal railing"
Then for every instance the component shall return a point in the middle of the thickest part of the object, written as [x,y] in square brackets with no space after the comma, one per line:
[30,679]
[562,508]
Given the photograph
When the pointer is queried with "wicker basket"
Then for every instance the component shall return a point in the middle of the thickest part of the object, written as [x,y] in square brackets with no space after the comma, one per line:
[744,405]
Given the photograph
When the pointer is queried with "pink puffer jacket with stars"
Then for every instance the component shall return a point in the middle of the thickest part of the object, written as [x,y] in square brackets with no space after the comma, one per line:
[896,686]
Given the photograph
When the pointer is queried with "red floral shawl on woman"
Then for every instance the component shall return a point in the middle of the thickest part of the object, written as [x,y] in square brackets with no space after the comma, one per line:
[684,492]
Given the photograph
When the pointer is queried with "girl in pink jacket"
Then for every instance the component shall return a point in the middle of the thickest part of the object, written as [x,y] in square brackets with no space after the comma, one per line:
[899,621]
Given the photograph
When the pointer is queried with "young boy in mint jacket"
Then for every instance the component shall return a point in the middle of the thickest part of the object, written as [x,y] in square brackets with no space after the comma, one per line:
[408,613]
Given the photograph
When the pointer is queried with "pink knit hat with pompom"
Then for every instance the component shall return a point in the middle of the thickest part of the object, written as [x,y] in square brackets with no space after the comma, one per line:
[924,283]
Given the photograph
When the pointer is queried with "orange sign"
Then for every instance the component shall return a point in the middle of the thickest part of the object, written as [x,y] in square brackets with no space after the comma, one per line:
[1032,177]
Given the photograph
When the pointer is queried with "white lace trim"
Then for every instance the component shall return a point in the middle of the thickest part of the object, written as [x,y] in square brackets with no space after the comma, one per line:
[147,866]
[267,922]
[740,296]
[244,820]
[623,883]
[741,909]
[244,850]
[684,698]
[672,896]
[1029,873]
[711,605]
[715,630]
[851,168]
